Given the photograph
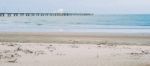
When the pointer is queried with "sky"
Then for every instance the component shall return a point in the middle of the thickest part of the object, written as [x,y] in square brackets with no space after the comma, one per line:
[93,6]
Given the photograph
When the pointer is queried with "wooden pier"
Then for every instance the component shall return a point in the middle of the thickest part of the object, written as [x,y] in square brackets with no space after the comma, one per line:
[44,14]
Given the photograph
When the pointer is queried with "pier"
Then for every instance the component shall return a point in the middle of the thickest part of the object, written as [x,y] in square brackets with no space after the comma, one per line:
[44,14]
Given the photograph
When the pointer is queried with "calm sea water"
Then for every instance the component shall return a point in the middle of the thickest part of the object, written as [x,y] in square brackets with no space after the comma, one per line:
[97,23]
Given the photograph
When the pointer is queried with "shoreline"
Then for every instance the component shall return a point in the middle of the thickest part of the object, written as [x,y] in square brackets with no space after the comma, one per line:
[76,38]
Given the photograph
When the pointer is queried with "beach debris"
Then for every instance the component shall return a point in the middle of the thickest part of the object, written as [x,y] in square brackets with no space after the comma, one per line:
[134,53]
[28,51]
[60,54]
[19,49]
[51,48]
[142,52]
[39,52]
[9,44]
[145,52]
[98,45]
[13,61]
[74,46]
[12,44]
[9,56]
[50,45]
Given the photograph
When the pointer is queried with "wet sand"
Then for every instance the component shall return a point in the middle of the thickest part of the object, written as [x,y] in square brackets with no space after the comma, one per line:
[70,37]
[74,49]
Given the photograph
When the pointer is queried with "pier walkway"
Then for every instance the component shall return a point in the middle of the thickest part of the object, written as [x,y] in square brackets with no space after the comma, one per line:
[45,14]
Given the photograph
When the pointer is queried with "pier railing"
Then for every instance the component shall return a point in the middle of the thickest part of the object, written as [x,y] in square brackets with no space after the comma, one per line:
[45,14]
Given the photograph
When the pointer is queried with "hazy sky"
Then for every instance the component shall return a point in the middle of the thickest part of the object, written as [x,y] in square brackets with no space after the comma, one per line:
[95,6]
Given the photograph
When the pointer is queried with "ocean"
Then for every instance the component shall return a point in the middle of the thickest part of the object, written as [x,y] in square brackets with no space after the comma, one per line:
[128,23]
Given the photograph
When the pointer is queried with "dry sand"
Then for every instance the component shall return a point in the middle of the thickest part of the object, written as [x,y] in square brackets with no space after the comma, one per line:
[46,54]
[74,49]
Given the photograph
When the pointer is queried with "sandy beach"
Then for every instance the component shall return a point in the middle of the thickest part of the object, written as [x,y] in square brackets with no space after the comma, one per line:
[76,37]
[74,49]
